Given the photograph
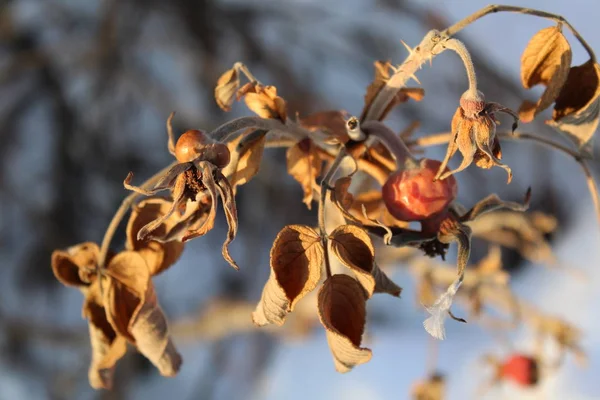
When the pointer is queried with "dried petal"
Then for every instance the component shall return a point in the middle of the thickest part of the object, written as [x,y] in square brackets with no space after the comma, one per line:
[342,311]
[304,165]
[576,112]
[228,199]
[546,60]
[75,266]
[296,259]
[227,86]
[158,256]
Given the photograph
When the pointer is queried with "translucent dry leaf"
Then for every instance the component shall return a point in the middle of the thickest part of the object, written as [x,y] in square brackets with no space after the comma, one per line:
[354,248]
[546,60]
[158,256]
[577,109]
[226,89]
[296,260]
[227,198]
[342,311]
[263,101]
[245,162]
[304,164]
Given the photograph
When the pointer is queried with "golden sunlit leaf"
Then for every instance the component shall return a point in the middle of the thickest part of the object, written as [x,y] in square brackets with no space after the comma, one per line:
[158,256]
[76,266]
[296,260]
[304,165]
[263,101]
[226,89]
[546,60]
[245,162]
[577,109]
[342,311]
[353,246]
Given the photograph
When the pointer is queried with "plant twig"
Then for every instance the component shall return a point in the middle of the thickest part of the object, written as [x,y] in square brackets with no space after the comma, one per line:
[123,209]
[325,184]
[460,25]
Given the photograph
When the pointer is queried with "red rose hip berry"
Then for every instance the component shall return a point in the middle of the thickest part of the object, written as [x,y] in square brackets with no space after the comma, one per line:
[520,369]
[410,194]
[194,143]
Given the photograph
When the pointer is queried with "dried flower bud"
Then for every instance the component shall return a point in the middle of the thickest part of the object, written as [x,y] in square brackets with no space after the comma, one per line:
[472,104]
[194,143]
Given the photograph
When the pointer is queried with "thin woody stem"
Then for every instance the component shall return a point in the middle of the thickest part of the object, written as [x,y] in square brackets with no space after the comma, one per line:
[234,128]
[244,69]
[459,48]
[325,184]
[393,142]
[460,25]
[443,138]
[123,209]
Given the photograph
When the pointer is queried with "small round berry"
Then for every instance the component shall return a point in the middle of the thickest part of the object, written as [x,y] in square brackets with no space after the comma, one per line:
[520,369]
[189,145]
[412,195]
[218,154]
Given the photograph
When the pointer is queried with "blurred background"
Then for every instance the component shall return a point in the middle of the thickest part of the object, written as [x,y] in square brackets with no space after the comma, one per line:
[85,90]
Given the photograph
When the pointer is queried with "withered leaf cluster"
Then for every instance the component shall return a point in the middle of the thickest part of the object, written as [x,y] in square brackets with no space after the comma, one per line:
[121,306]
[575,91]
[297,262]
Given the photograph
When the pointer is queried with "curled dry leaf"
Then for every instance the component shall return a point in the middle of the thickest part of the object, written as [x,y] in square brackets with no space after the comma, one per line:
[577,109]
[226,89]
[133,311]
[296,259]
[353,246]
[107,346]
[263,101]
[245,161]
[382,74]
[342,311]
[546,60]
[304,164]
[158,256]
[76,266]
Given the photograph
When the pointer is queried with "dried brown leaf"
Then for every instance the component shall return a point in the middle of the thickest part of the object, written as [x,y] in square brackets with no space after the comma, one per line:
[577,109]
[353,246]
[107,346]
[332,123]
[342,311]
[75,266]
[125,291]
[150,330]
[296,259]
[226,89]
[247,160]
[546,60]
[158,256]
[263,101]
[304,164]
